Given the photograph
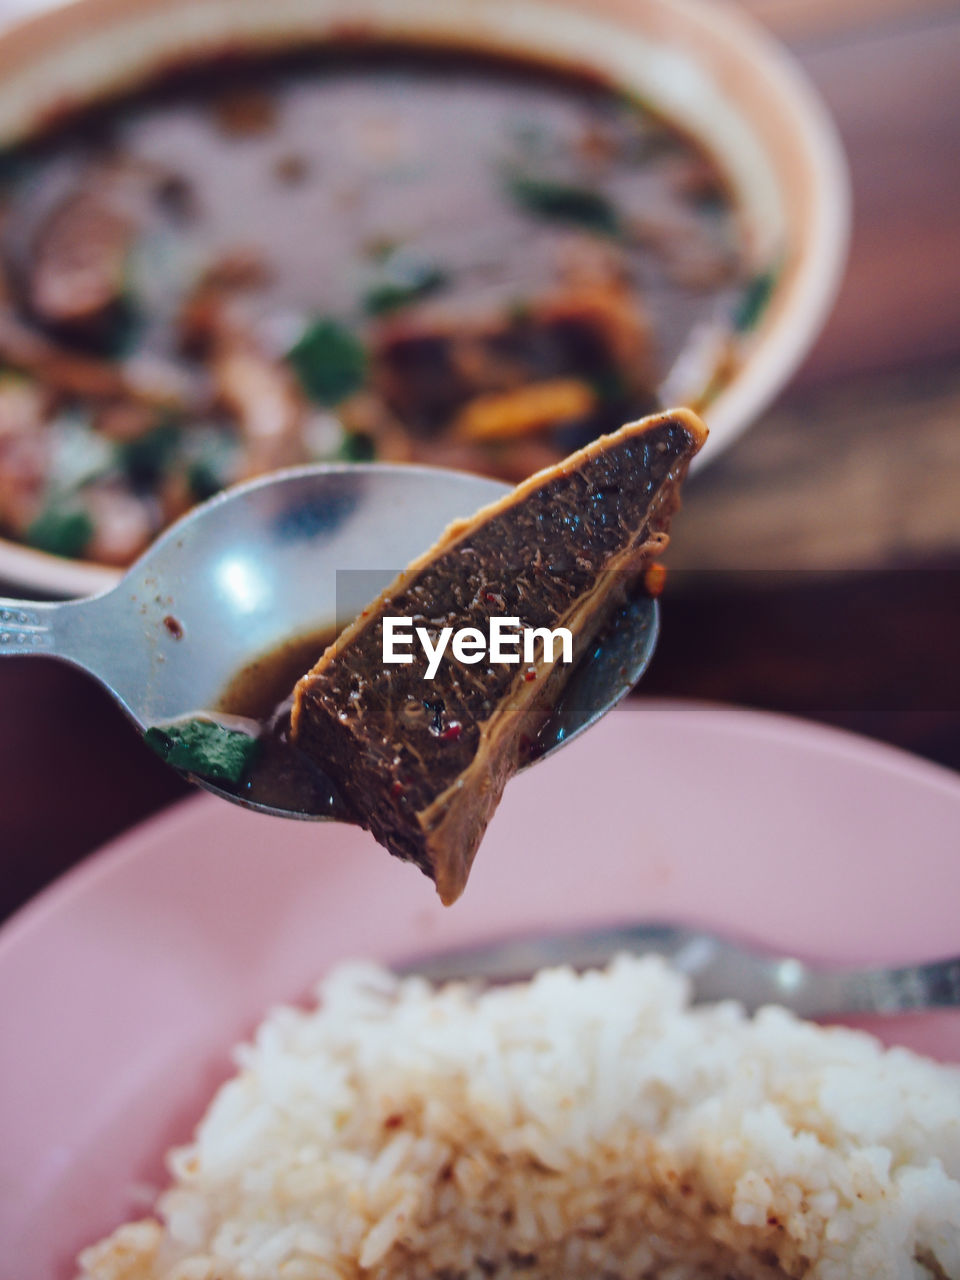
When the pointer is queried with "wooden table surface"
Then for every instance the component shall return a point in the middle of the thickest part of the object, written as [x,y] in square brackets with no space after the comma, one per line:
[816,568]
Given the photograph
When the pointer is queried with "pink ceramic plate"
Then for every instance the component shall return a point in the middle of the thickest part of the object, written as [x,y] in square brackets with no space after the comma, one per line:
[123,987]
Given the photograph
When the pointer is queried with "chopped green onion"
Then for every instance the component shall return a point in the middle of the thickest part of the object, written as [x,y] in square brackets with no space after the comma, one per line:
[122,328]
[564,202]
[330,362]
[203,480]
[210,456]
[205,748]
[356,447]
[148,458]
[404,279]
[63,531]
[753,301]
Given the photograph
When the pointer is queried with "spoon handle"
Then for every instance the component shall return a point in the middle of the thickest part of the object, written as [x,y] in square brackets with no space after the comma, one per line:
[26,627]
[70,630]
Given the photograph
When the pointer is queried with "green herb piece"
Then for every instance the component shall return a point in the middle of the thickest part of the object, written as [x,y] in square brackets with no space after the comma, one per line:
[63,531]
[330,362]
[564,202]
[404,280]
[205,748]
[753,301]
[121,327]
[211,461]
[356,446]
[148,458]
[203,480]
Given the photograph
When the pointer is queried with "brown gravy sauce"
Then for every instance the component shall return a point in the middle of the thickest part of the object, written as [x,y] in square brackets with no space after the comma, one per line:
[281,777]
[258,689]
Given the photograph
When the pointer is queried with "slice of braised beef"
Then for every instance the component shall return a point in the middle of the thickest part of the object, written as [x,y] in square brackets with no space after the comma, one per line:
[431,366]
[77,278]
[424,762]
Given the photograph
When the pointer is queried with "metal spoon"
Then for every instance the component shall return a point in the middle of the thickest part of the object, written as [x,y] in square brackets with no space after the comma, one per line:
[718,969]
[281,557]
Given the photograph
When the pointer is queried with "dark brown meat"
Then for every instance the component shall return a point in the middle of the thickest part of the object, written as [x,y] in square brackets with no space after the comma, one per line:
[72,373]
[425,762]
[431,367]
[78,267]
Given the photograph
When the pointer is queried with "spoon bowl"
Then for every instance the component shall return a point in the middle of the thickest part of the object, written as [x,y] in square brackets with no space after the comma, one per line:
[282,557]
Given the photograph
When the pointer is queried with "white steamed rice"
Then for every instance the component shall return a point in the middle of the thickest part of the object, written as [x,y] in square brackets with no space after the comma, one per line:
[575,1126]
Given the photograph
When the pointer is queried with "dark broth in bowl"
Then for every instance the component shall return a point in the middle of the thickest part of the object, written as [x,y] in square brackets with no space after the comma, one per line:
[349,253]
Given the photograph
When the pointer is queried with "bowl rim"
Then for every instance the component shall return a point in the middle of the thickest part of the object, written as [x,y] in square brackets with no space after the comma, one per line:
[803,296]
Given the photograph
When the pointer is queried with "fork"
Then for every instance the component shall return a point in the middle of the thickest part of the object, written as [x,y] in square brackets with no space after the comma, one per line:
[718,970]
